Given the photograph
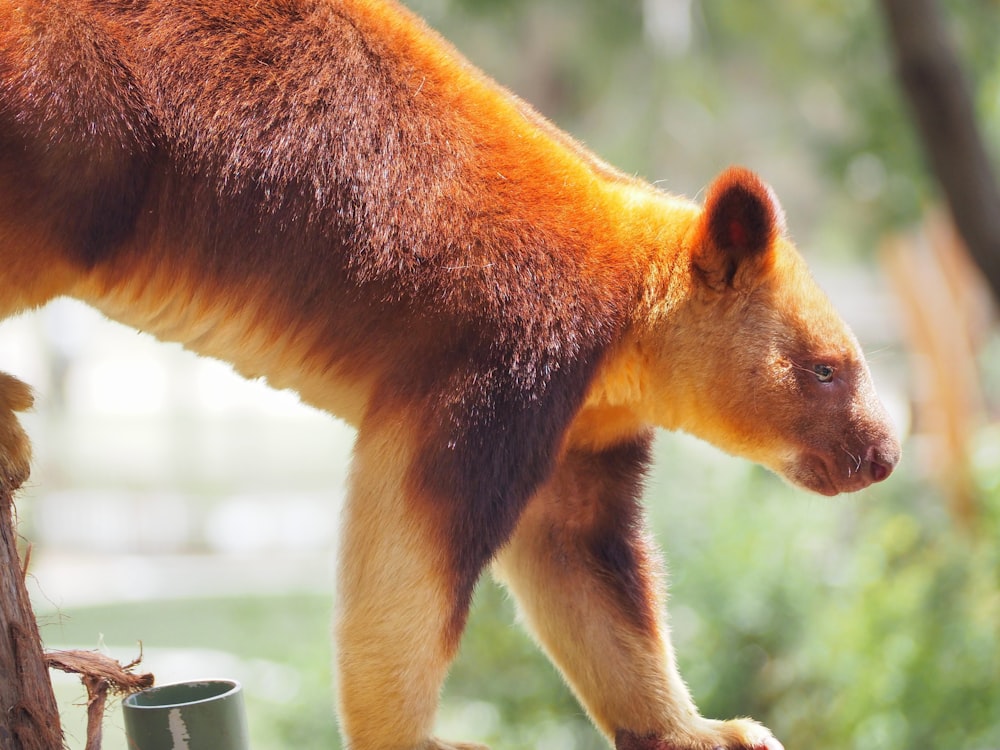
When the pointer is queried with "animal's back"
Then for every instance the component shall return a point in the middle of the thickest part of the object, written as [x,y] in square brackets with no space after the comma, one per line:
[308,187]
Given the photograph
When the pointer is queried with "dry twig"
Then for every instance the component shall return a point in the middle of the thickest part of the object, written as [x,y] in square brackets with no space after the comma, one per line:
[100,674]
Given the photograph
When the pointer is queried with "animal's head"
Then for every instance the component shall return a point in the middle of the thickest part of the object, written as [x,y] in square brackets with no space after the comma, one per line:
[757,361]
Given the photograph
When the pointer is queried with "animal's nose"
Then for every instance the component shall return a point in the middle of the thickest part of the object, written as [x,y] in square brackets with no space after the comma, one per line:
[881,460]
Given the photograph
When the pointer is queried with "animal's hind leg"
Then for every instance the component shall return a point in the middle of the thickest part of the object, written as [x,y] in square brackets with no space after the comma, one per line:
[400,614]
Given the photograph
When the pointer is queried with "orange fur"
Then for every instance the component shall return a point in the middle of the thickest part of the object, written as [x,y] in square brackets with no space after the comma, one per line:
[327,195]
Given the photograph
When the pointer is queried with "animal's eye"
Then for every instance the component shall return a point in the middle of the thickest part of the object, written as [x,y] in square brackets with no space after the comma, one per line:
[824,373]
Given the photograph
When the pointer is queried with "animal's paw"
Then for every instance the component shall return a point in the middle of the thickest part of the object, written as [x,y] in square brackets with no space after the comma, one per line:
[739,734]
[436,744]
[15,450]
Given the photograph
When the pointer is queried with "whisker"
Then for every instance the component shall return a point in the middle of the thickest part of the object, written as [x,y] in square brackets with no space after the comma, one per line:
[875,353]
[855,459]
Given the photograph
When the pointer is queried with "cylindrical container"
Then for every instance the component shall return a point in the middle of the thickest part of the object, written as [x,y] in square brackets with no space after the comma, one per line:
[205,715]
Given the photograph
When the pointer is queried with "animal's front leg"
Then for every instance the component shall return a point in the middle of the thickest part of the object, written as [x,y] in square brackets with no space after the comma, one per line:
[15,449]
[400,610]
[585,579]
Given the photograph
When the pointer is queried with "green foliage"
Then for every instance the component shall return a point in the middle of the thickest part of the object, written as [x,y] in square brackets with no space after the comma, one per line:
[529,705]
[858,623]
[907,643]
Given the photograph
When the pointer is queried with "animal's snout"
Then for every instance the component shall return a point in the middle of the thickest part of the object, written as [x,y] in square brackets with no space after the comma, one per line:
[881,459]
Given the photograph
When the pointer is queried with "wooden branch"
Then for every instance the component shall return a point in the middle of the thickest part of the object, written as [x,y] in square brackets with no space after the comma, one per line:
[931,76]
[29,716]
[100,675]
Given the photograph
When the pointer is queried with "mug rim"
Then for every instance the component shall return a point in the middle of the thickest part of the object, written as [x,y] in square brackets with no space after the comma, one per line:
[231,687]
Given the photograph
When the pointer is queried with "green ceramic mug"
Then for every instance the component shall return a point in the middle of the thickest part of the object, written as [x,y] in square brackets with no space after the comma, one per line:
[204,715]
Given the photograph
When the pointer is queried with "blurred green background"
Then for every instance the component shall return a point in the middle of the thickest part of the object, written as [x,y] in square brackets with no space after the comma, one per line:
[175,505]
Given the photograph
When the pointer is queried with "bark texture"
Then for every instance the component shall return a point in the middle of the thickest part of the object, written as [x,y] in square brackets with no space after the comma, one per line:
[29,717]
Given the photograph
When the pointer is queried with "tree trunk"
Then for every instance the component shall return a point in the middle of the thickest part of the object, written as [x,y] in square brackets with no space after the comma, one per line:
[29,717]
[930,74]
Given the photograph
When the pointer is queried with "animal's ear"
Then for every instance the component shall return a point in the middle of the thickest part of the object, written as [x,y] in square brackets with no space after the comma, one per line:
[741,219]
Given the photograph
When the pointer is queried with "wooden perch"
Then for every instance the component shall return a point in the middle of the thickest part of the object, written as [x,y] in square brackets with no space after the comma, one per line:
[29,717]
[100,675]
